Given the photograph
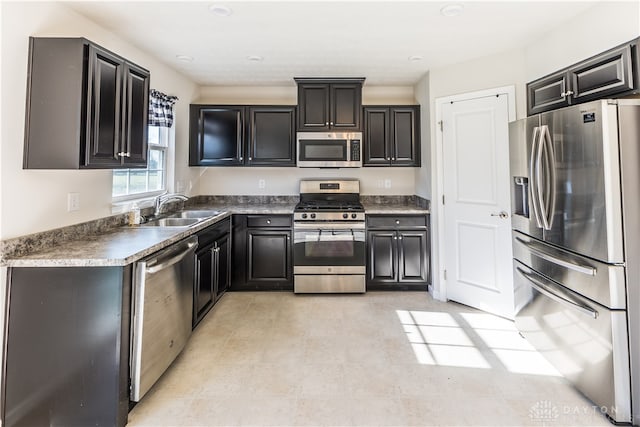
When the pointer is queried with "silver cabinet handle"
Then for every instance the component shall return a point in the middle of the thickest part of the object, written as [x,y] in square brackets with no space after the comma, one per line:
[567,93]
[240,158]
[393,158]
[395,237]
[268,221]
[250,158]
[562,299]
[399,237]
[331,123]
[326,123]
[397,221]
[502,215]
[124,154]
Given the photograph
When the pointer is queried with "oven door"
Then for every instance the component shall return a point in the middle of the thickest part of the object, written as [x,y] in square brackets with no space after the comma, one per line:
[329,248]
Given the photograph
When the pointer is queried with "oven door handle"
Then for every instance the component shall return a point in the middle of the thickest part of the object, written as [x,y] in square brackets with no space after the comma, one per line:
[328,226]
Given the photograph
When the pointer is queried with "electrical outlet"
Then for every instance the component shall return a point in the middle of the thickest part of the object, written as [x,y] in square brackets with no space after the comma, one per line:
[262,183]
[387,183]
[73,202]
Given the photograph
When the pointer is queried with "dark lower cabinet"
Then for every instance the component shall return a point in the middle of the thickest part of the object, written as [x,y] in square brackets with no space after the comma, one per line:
[66,348]
[398,253]
[213,268]
[262,252]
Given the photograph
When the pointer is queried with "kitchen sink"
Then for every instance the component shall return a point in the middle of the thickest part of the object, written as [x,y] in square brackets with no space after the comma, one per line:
[171,222]
[202,213]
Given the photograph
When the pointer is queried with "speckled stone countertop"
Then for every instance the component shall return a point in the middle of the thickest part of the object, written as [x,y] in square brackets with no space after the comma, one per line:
[123,245]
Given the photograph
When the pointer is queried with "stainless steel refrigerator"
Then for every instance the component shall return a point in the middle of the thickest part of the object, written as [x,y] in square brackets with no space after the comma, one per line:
[575,182]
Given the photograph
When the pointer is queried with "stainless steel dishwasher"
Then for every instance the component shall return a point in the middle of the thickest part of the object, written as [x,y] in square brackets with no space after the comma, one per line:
[161,312]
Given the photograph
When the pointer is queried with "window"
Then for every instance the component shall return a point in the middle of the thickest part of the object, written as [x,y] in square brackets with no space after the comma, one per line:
[149,181]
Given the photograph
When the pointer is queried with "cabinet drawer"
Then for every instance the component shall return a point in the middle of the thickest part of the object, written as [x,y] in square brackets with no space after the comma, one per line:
[396,221]
[269,221]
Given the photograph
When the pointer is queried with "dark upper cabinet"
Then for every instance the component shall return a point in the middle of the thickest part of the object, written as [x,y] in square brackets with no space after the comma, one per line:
[329,104]
[392,135]
[86,107]
[272,138]
[611,73]
[235,135]
[398,252]
[216,135]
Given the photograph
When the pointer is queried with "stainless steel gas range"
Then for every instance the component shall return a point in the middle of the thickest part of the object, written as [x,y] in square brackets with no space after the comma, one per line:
[329,238]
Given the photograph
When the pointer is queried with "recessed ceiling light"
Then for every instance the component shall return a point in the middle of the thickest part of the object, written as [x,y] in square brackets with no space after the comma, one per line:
[184,58]
[415,58]
[452,10]
[255,58]
[220,10]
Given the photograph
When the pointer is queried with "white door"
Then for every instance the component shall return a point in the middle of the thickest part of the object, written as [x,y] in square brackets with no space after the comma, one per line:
[477,223]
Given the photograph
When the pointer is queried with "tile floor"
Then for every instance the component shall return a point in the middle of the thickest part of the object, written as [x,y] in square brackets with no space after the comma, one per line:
[379,359]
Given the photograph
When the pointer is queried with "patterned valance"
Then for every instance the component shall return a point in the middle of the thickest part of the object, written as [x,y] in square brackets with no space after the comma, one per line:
[161,109]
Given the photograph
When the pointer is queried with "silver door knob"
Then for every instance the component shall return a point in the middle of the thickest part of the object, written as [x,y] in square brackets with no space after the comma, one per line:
[502,215]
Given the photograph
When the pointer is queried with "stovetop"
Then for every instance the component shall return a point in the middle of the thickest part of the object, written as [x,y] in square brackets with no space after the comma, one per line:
[328,206]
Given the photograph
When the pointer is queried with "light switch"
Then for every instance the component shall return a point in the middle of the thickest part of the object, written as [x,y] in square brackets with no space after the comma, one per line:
[73,202]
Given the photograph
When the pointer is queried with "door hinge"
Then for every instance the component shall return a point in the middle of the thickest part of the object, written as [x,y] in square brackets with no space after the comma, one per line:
[445,274]
[443,199]
[440,124]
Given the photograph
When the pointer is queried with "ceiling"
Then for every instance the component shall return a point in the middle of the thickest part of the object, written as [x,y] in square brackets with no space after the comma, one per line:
[373,39]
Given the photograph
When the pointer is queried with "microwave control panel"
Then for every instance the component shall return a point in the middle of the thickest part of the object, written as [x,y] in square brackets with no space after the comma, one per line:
[355,150]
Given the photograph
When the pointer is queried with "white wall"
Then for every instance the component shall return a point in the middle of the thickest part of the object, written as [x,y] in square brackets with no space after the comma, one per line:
[599,28]
[423,175]
[36,200]
[285,181]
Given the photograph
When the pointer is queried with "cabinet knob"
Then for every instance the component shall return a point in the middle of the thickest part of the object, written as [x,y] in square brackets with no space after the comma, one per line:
[388,158]
[250,158]
[395,237]
[399,237]
[268,221]
[393,158]
[331,123]
[124,154]
[240,158]
[397,221]
[567,93]
[326,123]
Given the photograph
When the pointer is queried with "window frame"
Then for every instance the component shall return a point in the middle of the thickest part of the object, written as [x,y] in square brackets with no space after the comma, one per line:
[164,136]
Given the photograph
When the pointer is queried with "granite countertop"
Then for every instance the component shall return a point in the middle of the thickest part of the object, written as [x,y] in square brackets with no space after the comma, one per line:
[124,245]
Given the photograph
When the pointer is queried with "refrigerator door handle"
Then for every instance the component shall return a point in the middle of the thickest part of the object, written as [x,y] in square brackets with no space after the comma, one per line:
[584,269]
[550,185]
[534,171]
[564,300]
[539,156]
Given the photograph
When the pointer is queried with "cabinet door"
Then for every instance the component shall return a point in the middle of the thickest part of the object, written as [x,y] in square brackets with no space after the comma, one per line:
[105,115]
[204,283]
[376,136]
[268,255]
[547,93]
[405,136]
[412,256]
[383,256]
[604,75]
[345,106]
[136,104]
[313,106]
[272,138]
[223,265]
[216,135]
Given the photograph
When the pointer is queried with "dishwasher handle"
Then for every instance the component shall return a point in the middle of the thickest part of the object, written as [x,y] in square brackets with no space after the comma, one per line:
[171,257]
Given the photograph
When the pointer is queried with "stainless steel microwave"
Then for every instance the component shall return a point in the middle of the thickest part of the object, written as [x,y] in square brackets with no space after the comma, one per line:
[329,149]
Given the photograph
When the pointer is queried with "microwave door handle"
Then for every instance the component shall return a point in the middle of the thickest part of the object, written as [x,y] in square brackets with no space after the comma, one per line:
[532,178]
[550,158]
[580,268]
[564,300]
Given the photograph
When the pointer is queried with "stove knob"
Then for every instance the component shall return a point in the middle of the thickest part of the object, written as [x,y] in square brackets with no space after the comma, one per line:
[313,216]
[304,216]
[354,216]
[345,215]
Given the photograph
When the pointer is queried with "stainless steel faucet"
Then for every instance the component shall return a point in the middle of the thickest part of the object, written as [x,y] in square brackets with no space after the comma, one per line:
[165,198]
